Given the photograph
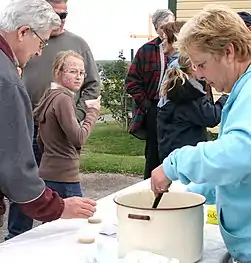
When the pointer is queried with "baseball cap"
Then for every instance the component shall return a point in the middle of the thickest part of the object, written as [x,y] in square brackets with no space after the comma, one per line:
[246,17]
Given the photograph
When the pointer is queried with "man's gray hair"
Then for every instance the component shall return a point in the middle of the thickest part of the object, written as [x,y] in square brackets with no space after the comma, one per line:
[160,15]
[37,14]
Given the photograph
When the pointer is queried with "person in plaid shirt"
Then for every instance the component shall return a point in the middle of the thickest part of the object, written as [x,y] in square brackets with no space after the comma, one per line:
[142,83]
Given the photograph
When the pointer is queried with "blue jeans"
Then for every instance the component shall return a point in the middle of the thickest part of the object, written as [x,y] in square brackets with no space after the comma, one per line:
[19,223]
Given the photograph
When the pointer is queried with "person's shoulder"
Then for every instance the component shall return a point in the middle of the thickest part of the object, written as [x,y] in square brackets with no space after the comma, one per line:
[63,99]
[151,44]
[76,39]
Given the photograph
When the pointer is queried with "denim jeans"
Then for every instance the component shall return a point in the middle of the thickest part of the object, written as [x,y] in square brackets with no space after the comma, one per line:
[18,222]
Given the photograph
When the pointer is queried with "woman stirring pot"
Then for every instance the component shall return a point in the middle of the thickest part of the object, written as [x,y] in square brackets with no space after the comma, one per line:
[219,45]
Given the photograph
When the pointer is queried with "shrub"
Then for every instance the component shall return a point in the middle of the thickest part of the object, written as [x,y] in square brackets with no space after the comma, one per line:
[113,94]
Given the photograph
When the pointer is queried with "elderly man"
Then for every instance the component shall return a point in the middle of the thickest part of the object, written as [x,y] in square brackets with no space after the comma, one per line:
[219,46]
[37,76]
[143,84]
[25,26]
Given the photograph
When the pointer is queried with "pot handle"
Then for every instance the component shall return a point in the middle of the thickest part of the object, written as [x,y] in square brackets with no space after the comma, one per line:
[139,217]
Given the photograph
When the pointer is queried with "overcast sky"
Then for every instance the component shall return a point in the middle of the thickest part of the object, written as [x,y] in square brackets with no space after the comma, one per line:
[107,24]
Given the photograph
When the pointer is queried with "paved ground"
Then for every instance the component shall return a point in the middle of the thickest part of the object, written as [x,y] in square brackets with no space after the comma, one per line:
[97,186]
[105,118]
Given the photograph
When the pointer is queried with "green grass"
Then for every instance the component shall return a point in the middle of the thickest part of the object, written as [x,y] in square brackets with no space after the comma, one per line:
[111,150]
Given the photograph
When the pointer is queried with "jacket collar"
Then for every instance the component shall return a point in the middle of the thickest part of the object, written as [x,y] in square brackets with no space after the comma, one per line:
[156,41]
[5,47]
[55,85]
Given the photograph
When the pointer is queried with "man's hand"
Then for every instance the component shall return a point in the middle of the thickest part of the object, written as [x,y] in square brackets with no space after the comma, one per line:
[94,103]
[78,207]
[160,183]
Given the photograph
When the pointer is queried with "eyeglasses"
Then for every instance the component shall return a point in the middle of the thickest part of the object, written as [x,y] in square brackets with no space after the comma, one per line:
[63,15]
[43,43]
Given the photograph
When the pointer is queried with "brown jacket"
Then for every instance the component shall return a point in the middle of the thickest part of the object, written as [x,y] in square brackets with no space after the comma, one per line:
[61,135]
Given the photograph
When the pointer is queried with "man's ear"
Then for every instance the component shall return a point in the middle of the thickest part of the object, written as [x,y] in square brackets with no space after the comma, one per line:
[22,32]
[249,27]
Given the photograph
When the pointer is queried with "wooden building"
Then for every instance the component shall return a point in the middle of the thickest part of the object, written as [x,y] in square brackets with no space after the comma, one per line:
[184,9]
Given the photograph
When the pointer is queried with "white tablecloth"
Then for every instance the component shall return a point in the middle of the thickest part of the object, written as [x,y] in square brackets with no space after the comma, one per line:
[58,241]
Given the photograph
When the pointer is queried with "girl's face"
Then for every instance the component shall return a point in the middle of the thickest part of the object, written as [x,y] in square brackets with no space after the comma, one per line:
[72,74]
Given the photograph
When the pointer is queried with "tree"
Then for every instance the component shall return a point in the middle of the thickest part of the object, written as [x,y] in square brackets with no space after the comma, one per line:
[113,94]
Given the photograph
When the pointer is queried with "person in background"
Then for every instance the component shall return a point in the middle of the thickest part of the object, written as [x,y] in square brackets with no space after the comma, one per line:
[25,26]
[59,133]
[246,17]
[170,32]
[142,83]
[219,46]
[187,111]
[37,76]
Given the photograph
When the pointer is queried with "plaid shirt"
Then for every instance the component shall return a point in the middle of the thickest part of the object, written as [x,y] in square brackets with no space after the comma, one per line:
[142,83]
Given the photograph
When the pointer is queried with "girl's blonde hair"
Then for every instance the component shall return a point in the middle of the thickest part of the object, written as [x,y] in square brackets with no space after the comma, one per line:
[213,29]
[176,76]
[60,60]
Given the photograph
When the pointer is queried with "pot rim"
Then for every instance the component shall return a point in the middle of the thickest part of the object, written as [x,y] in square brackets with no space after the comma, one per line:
[161,209]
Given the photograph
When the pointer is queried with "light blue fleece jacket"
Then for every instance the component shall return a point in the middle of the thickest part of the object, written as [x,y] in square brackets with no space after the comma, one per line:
[207,190]
[226,163]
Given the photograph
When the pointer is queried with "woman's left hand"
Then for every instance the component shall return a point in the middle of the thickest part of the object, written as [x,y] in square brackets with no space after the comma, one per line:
[160,183]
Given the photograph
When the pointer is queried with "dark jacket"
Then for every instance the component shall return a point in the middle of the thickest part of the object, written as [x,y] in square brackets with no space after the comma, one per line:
[184,118]
[142,82]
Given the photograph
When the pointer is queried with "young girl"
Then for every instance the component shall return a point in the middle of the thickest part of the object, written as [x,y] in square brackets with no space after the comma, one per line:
[187,111]
[60,134]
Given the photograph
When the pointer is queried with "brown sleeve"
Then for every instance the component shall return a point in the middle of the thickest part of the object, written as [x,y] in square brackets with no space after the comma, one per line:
[48,207]
[66,116]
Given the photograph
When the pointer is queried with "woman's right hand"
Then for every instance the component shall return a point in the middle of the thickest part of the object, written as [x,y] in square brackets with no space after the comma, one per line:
[94,103]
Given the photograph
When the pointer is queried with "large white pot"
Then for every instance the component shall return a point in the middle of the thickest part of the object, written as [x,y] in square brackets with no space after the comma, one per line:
[174,229]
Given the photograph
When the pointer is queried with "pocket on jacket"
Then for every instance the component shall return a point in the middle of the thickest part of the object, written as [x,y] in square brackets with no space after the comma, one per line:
[239,247]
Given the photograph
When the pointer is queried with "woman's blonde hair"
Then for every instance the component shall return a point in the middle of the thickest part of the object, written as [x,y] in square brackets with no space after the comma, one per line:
[213,29]
[176,76]
[60,60]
